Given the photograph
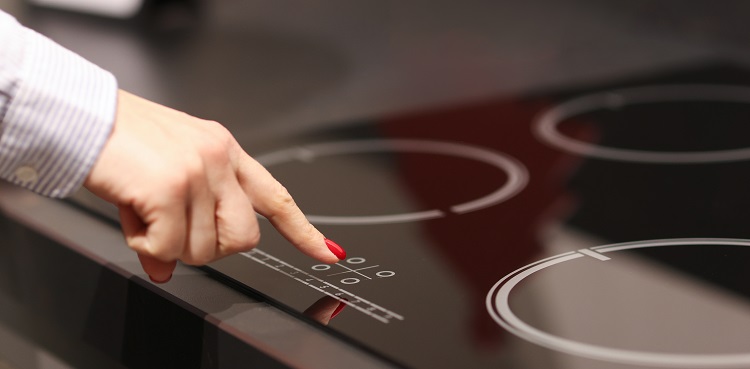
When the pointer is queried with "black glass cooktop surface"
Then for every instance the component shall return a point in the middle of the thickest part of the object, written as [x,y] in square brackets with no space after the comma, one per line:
[602,227]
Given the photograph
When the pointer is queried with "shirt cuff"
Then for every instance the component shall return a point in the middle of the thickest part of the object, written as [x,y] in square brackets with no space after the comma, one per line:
[58,118]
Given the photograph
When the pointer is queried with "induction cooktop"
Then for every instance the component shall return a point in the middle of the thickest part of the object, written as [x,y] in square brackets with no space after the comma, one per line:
[606,226]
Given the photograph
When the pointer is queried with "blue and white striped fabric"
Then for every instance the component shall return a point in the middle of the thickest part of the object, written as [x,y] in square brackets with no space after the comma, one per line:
[56,109]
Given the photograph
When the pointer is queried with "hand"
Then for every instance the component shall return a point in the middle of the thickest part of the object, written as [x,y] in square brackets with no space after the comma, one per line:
[187,191]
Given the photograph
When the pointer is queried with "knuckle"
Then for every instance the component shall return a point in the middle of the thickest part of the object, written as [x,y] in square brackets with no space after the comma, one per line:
[138,246]
[282,199]
[216,144]
[308,235]
[311,232]
[202,247]
[240,243]
[195,166]
[216,132]
[202,250]
[163,253]
[251,241]
[196,259]
[212,149]
[177,183]
[223,134]
[189,260]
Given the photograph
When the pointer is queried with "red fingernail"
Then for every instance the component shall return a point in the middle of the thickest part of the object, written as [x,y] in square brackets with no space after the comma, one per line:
[341,306]
[336,249]
[164,281]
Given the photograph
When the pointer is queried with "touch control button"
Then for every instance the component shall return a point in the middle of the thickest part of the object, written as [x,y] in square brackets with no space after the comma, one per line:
[26,174]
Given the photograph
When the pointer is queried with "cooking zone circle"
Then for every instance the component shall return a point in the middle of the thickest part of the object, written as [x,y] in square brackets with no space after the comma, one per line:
[517,175]
[546,125]
[497,302]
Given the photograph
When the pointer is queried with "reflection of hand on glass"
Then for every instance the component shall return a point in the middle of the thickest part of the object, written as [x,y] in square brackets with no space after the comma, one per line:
[185,188]
[325,309]
[110,8]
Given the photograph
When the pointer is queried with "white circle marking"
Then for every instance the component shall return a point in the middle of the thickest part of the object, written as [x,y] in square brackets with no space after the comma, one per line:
[497,302]
[516,172]
[545,126]
[385,273]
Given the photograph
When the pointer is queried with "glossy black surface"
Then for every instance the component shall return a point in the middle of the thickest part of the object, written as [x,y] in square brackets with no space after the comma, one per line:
[417,290]
[94,316]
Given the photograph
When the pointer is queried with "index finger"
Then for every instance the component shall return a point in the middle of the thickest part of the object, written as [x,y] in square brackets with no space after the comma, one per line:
[273,201]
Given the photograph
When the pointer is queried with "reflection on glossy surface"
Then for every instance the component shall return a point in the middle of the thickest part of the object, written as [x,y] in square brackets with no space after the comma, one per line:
[444,267]
[710,334]
[682,98]
[516,173]
[325,309]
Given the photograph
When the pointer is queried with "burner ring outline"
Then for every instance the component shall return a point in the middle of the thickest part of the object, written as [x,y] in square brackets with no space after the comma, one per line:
[545,125]
[497,303]
[517,173]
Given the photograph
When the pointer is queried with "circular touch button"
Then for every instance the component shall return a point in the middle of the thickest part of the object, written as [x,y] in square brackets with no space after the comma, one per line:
[546,125]
[498,305]
[515,171]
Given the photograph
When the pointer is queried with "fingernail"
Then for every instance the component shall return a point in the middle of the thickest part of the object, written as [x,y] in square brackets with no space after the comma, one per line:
[158,281]
[336,249]
[341,306]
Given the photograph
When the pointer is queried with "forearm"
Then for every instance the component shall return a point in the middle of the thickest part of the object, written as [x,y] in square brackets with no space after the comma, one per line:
[57,110]
[189,192]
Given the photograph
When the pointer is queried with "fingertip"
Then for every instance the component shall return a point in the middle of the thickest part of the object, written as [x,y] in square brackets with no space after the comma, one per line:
[328,251]
[160,281]
[335,249]
[323,250]
[158,271]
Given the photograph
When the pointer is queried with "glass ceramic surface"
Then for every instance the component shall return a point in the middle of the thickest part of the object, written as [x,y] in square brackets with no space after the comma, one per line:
[602,227]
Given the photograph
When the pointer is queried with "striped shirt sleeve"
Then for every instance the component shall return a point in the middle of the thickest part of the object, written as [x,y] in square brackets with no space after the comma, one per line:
[56,112]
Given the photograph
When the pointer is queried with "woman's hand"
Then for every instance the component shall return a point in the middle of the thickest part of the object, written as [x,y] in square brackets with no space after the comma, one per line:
[187,191]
